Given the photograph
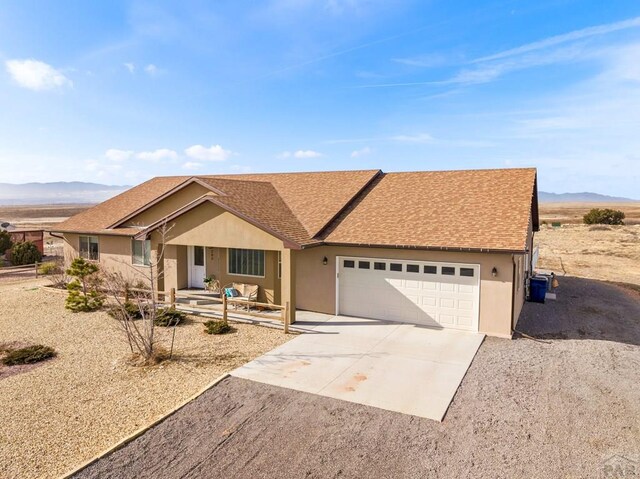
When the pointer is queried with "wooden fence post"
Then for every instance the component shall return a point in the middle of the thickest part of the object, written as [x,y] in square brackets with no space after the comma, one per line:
[286,317]
[224,307]
[36,269]
[173,297]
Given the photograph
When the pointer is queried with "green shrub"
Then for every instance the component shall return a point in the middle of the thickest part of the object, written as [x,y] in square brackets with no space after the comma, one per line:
[28,355]
[129,309]
[24,252]
[5,242]
[48,268]
[83,290]
[217,327]
[604,216]
[169,317]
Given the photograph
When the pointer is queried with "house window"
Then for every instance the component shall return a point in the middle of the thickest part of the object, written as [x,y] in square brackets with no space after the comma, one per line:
[349,263]
[448,271]
[246,262]
[467,272]
[379,266]
[430,269]
[413,268]
[89,248]
[395,267]
[141,252]
[364,265]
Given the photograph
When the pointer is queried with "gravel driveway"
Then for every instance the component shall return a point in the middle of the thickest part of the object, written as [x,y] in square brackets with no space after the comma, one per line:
[559,406]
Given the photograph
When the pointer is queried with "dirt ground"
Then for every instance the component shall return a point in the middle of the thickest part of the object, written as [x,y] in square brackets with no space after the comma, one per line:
[610,253]
[560,405]
[63,412]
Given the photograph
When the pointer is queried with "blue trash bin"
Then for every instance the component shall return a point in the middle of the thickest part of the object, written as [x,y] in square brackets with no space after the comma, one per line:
[538,289]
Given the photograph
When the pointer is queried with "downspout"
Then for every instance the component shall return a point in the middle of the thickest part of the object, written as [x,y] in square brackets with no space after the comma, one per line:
[513,291]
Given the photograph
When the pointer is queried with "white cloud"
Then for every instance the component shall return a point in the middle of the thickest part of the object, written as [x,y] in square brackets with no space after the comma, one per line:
[157,155]
[192,165]
[213,153]
[114,154]
[242,168]
[36,75]
[151,69]
[300,154]
[564,38]
[130,66]
[419,138]
[361,152]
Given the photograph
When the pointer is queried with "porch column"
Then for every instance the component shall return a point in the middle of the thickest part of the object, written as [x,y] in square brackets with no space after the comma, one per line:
[288,282]
[170,272]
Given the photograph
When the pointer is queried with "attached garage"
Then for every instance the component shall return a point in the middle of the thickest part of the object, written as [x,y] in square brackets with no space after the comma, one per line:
[435,294]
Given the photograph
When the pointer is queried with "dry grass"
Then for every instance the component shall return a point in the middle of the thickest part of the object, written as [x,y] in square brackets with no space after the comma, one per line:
[573,212]
[611,254]
[62,413]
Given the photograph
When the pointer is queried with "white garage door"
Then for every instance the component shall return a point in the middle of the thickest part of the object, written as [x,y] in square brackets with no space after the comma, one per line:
[443,295]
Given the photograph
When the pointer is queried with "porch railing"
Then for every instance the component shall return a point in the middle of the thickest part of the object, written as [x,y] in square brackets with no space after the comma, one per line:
[170,299]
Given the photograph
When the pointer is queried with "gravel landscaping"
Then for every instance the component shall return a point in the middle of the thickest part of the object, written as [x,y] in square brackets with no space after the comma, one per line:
[62,412]
[559,405]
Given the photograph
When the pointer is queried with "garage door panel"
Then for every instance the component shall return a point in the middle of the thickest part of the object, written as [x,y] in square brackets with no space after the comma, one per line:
[426,297]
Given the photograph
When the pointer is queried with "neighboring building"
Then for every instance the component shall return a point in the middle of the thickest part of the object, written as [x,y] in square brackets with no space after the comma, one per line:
[34,236]
[446,249]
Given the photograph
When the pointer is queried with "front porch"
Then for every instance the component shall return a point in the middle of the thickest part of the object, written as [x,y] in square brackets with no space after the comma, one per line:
[185,268]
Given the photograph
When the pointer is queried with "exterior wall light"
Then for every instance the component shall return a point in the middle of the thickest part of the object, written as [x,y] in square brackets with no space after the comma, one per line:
[494,272]
[325,261]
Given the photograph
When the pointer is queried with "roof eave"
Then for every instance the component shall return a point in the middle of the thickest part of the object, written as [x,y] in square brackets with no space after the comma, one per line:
[429,248]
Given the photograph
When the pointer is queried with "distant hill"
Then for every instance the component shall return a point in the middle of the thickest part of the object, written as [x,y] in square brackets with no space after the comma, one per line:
[545,197]
[56,193]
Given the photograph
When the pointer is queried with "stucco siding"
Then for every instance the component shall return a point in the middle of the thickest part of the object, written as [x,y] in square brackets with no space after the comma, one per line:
[168,205]
[210,225]
[316,283]
[115,256]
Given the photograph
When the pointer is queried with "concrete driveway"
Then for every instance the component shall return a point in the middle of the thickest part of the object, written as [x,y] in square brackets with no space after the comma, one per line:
[394,366]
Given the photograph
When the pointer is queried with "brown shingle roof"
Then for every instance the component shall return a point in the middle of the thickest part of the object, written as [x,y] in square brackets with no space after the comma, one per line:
[478,209]
[261,202]
[314,198]
[473,209]
[98,218]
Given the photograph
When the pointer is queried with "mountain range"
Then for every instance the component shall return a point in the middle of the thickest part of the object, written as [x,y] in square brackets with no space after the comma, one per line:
[56,193]
[79,192]
[586,197]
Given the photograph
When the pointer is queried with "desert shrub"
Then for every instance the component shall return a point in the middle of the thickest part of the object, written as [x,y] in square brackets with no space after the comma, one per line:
[604,216]
[217,327]
[129,309]
[24,252]
[83,290]
[48,268]
[5,242]
[169,317]
[28,355]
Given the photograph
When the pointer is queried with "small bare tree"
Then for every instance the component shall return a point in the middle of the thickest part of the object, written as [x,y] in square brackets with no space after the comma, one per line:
[137,308]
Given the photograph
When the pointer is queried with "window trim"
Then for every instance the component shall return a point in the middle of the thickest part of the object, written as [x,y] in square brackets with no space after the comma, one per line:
[264,266]
[279,265]
[88,258]
[144,245]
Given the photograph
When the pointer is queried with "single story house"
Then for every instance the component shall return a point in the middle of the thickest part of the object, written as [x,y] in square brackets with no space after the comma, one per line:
[444,249]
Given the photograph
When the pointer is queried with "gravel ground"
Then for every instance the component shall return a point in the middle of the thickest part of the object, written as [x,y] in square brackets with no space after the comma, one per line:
[557,406]
[62,413]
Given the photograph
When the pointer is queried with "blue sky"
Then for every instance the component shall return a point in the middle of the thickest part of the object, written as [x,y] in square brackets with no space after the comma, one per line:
[120,91]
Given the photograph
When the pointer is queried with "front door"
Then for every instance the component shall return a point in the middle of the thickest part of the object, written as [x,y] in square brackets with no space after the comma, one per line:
[196,267]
